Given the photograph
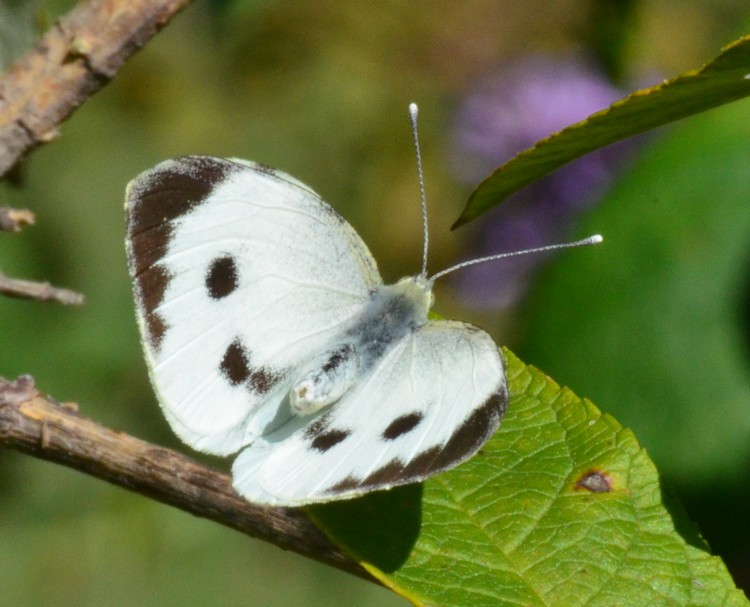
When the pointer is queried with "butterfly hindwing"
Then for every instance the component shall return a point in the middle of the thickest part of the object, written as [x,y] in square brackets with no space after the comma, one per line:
[241,274]
[429,404]
[267,330]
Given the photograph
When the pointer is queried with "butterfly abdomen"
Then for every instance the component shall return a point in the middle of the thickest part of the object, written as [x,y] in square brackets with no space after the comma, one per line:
[325,380]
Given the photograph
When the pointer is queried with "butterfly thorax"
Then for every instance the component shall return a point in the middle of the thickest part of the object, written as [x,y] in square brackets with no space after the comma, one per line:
[390,314]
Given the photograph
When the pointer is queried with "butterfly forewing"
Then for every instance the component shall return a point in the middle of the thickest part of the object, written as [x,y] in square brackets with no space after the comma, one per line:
[241,274]
[429,404]
[250,288]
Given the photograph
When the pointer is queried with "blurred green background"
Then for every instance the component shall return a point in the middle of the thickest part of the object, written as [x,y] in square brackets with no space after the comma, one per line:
[652,325]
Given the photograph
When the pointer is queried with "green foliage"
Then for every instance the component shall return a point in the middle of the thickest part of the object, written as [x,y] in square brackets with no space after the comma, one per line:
[663,303]
[720,81]
[321,93]
[561,507]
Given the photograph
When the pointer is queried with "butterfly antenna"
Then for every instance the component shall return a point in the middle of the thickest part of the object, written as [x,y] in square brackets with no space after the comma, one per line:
[595,239]
[413,111]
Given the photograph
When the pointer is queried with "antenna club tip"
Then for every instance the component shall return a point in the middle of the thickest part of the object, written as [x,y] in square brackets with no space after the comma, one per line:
[413,110]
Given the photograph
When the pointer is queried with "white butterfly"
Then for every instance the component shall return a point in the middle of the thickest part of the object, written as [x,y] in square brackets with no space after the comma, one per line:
[268,330]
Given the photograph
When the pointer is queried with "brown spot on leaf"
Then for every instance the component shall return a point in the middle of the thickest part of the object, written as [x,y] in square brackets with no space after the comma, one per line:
[595,481]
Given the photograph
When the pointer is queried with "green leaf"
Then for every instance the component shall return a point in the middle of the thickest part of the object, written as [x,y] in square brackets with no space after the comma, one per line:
[663,303]
[720,81]
[561,507]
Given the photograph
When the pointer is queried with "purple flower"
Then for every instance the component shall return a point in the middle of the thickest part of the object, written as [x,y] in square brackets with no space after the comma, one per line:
[525,101]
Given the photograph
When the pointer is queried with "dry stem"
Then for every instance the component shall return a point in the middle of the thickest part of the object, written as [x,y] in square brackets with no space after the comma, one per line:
[33,424]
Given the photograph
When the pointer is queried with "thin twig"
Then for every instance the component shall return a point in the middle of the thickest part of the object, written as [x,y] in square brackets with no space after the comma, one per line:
[40,291]
[33,424]
[12,220]
[73,60]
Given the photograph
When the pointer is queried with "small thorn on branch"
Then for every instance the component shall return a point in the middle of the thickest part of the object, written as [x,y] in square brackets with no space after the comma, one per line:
[17,391]
[11,220]
[39,291]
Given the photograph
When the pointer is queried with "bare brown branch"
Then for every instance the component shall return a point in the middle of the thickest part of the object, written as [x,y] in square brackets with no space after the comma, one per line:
[31,423]
[12,220]
[72,61]
[40,291]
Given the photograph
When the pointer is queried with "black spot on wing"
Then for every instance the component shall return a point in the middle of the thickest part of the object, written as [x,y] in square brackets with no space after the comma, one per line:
[262,380]
[402,425]
[235,365]
[329,439]
[338,356]
[221,278]
[463,443]
[318,426]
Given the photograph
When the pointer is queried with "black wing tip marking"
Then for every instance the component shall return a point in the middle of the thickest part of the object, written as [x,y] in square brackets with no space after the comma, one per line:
[154,200]
[149,289]
[172,189]
[465,442]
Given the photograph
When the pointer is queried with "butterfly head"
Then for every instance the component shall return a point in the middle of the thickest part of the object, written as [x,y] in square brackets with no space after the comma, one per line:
[417,289]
